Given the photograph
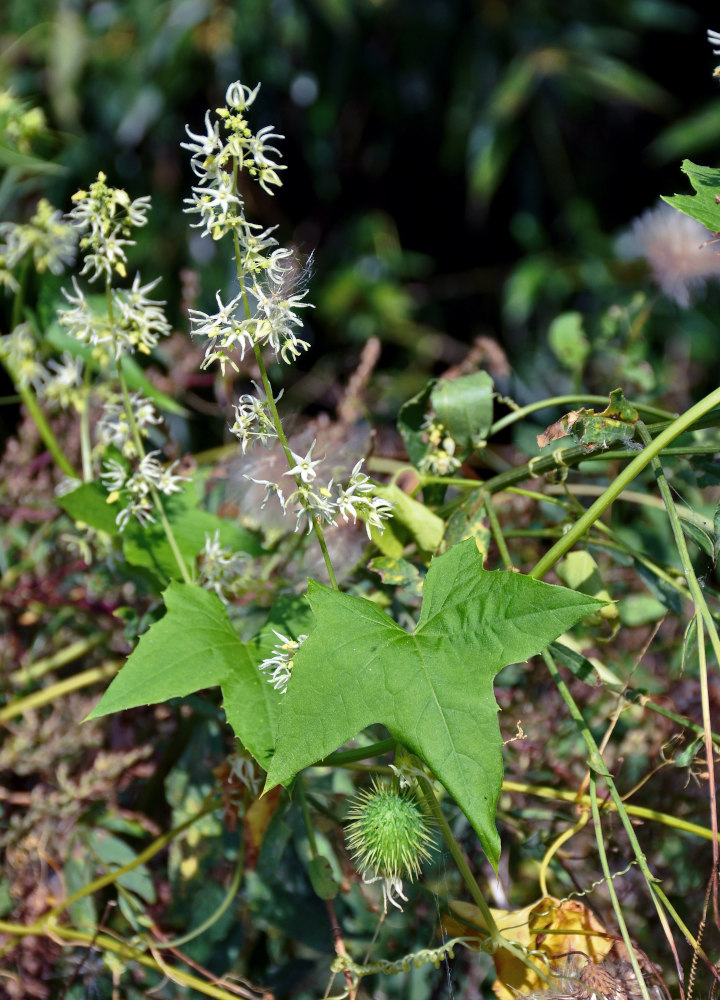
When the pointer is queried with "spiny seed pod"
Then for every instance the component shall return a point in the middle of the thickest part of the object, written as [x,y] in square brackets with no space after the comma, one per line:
[389,837]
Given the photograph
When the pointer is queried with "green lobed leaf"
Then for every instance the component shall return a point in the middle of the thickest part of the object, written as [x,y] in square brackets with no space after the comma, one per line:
[705,204]
[433,689]
[194,646]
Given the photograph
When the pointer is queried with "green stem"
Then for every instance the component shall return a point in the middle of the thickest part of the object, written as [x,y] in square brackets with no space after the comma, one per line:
[497,531]
[458,857]
[610,883]
[210,805]
[45,432]
[543,404]
[706,619]
[640,462]
[342,757]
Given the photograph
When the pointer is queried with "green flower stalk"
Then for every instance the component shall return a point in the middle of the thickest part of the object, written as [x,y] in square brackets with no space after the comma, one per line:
[389,837]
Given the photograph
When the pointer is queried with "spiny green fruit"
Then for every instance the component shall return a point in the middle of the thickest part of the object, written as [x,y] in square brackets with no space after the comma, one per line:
[389,835]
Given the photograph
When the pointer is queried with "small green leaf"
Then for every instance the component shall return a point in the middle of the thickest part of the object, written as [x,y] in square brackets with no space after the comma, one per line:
[194,647]
[88,503]
[322,878]
[425,527]
[398,573]
[704,206]
[465,406]
[433,689]
[410,420]
[568,341]
[703,539]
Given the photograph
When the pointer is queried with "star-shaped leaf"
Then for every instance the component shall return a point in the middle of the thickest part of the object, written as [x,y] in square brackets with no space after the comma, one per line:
[194,647]
[433,689]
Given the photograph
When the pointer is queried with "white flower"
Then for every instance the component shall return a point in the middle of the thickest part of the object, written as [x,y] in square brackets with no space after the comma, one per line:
[141,321]
[279,665]
[225,331]
[304,466]
[62,380]
[271,489]
[253,419]
[138,486]
[714,39]
[673,245]
[313,504]
[220,207]
[205,150]
[239,97]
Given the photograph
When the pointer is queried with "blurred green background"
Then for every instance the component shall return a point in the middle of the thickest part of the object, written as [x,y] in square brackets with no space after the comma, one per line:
[460,169]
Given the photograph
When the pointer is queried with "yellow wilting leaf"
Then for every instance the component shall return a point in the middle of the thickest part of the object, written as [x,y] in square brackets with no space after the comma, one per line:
[551,926]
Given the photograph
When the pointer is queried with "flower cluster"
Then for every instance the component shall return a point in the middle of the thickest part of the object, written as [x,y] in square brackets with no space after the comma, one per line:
[265,312]
[279,665]
[61,382]
[439,460]
[270,271]
[49,239]
[20,124]
[19,353]
[136,487]
[319,502]
[105,217]
[221,569]
[115,428]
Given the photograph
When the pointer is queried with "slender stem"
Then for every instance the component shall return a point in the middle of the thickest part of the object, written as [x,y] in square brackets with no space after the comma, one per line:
[641,812]
[85,442]
[342,757]
[210,805]
[611,887]
[140,450]
[45,432]
[280,431]
[497,534]
[458,856]
[227,901]
[704,618]
[675,429]
[104,942]
[544,404]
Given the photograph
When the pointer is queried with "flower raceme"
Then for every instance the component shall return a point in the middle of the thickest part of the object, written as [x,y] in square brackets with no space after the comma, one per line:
[265,311]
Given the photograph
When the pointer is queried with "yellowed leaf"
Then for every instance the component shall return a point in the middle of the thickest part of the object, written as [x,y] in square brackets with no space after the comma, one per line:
[550,926]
